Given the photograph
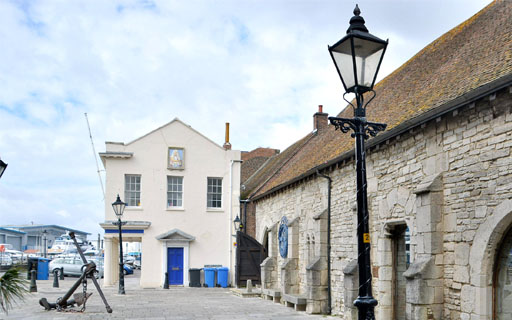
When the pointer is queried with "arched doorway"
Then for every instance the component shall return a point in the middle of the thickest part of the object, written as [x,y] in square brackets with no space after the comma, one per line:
[502,282]
[484,257]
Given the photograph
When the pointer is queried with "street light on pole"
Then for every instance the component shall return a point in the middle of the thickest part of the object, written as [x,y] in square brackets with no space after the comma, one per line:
[238,224]
[357,57]
[3,166]
[118,207]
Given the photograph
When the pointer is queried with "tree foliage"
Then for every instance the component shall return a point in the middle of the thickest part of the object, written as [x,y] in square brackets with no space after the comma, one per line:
[12,286]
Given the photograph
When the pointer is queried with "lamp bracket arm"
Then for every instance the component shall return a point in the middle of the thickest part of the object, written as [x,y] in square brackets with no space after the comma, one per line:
[350,103]
[343,124]
[373,128]
[371,99]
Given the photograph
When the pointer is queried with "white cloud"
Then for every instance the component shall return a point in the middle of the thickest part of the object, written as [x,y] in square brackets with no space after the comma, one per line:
[133,66]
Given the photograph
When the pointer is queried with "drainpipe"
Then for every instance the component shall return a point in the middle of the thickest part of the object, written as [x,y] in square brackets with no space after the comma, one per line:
[245,202]
[329,187]
[231,210]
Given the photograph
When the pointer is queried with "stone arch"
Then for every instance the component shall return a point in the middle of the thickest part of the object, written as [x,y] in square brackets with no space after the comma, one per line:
[264,235]
[482,256]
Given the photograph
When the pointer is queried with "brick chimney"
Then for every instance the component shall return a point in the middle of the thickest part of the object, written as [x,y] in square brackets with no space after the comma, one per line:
[320,120]
[227,145]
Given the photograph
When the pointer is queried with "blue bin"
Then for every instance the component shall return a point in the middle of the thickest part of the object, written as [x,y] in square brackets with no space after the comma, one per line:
[222,277]
[43,268]
[209,277]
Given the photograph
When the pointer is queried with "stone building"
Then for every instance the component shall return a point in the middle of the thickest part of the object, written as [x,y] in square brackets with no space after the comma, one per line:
[439,190]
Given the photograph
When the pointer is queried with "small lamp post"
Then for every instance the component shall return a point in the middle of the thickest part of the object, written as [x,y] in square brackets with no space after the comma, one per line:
[118,207]
[238,224]
[3,166]
[44,243]
[357,57]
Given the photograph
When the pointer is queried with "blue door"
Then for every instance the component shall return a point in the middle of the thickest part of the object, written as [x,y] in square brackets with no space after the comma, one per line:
[175,265]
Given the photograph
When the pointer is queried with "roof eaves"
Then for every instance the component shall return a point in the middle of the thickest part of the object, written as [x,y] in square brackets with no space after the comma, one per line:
[11,230]
[116,154]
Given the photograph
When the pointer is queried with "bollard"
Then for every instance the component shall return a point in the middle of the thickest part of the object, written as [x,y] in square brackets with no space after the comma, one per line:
[166,283]
[56,278]
[249,286]
[61,273]
[33,285]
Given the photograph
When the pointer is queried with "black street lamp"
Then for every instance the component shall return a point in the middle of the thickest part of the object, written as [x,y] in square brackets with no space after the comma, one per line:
[3,166]
[357,57]
[118,206]
[238,224]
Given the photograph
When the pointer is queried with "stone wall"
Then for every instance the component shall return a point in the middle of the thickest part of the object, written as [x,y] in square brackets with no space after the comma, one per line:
[442,180]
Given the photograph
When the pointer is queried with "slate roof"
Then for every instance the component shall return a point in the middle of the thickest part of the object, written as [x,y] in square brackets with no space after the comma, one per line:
[475,55]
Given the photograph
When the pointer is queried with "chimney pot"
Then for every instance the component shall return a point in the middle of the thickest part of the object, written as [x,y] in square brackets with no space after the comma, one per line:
[320,120]
[227,145]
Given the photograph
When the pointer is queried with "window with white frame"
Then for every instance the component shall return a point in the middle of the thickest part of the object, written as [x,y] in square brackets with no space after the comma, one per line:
[174,192]
[214,194]
[132,190]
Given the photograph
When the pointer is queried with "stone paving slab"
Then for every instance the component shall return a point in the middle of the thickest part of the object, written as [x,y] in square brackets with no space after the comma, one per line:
[180,303]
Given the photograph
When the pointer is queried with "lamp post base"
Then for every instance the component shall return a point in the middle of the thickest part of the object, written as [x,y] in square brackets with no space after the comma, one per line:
[365,307]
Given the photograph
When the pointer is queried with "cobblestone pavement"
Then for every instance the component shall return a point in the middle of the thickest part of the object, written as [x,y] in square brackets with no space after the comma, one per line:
[175,303]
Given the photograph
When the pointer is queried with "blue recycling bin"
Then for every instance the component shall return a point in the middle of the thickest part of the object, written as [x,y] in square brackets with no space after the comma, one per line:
[43,269]
[222,277]
[209,277]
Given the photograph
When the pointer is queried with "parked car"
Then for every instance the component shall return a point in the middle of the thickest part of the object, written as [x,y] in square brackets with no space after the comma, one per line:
[137,263]
[73,266]
[127,269]
[130,260]
[5,259]
[17,257]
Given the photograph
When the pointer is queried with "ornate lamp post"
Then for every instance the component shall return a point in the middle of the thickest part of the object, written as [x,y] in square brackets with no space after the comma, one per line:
[3,166]
[238,224]
[357,57]
[118,206]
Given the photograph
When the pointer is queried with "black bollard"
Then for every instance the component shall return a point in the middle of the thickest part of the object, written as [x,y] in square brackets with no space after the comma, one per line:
[61,273]
[56,278]
[166,283]
[33,285]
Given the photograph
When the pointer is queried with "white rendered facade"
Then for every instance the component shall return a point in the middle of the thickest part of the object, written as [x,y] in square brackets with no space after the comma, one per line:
[203,235]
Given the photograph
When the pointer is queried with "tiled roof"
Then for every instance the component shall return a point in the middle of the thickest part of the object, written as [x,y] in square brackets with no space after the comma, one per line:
[253,160]
[271,168]
[468,57]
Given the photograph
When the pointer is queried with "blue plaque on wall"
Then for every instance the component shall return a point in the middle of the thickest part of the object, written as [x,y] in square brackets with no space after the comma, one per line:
[283,237]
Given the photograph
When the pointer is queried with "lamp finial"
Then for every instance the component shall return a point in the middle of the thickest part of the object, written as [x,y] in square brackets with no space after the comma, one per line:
[357,11]
[357,22]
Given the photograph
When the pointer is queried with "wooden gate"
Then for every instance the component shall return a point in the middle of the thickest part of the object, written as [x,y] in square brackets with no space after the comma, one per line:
[249,255]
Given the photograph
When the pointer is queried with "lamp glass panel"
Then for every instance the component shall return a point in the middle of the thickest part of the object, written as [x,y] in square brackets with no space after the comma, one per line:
[368,56]
[118,208]
[237,223]
[342,54]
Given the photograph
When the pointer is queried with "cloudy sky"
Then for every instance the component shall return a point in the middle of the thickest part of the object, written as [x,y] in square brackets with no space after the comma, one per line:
[133,66]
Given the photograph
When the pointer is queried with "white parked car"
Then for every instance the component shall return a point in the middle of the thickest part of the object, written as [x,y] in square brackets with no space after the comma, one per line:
[5,259]
[17,257]
[73,266]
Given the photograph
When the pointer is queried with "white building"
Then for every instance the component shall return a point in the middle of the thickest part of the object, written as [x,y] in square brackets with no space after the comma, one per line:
[182,194]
